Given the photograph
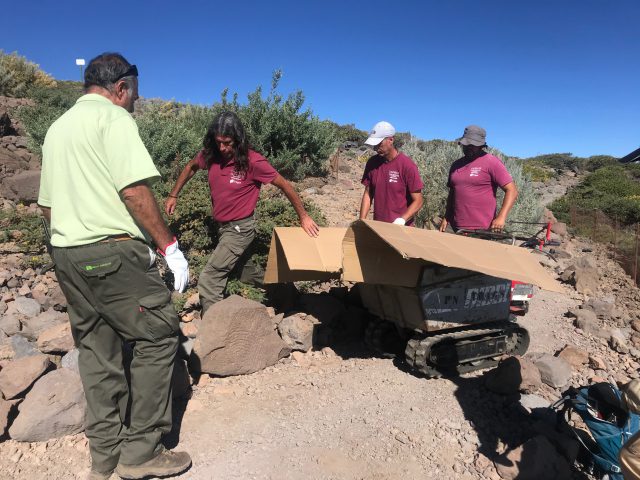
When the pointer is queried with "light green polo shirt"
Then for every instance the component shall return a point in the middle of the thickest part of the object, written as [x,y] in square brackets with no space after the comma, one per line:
[89,155]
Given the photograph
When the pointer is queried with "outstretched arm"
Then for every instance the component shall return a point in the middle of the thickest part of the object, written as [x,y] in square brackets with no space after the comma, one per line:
[306,222]
[172,200]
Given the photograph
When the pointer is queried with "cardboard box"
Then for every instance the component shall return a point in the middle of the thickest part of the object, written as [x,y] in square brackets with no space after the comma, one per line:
[386,254]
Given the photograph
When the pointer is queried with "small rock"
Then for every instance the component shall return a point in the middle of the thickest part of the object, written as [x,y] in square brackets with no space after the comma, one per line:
[19,375]
[22,347]
[513,374]
[27,306]
[56,339]
[618,342]
[297,332]
[531,402]
[574,356]
[70,360]
[597,363]
[554,371]
[587,321]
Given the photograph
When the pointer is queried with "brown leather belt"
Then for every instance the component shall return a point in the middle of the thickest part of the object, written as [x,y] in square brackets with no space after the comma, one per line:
[116,238]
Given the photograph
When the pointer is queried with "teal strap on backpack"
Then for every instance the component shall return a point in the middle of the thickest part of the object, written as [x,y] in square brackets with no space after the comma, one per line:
[611,426]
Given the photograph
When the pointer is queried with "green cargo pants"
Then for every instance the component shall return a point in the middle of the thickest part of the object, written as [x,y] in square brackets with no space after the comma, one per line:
[234,238]
[114,294]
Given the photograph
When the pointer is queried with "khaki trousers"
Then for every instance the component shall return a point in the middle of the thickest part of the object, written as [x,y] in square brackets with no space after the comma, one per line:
[234,238]
[114,295]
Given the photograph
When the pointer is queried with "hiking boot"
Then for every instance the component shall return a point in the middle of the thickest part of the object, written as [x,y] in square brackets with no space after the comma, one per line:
[165,464]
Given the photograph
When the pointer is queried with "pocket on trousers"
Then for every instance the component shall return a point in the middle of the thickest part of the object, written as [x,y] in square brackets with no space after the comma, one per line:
[159,315]
[100,267]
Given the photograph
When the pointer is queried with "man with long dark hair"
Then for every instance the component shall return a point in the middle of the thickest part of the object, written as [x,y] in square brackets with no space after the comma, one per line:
[94,191]
[235,174]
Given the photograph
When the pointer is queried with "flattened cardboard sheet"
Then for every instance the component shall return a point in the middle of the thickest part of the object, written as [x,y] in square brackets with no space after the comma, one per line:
[295,256]
[387,254]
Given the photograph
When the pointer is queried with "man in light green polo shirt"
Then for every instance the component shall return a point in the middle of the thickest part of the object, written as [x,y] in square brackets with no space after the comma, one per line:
[94,191]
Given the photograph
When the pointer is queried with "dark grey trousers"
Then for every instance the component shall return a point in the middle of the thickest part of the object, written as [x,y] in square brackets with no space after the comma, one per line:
[115,295]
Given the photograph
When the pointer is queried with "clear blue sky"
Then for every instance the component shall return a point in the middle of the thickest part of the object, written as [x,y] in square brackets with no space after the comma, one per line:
[541,76]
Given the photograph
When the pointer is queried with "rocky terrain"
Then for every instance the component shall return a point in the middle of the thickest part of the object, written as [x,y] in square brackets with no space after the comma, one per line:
[309,400]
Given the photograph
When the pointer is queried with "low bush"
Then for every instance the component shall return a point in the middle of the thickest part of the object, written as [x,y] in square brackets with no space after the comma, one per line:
[50,103]
[24,229]
[614,190]
[18,75]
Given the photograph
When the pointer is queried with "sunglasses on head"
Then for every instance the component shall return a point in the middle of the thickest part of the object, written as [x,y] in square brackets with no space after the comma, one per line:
[132,71]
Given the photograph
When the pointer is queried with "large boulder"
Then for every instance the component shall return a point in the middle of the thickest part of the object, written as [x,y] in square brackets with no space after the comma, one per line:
[536,459]
[22,187]
[236,337]
[554,371]
[54,407]
[19,375]
[513,374]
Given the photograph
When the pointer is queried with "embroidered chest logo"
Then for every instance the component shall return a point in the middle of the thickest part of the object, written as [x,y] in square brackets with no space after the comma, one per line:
[237,177]
[394,176]
[475,171]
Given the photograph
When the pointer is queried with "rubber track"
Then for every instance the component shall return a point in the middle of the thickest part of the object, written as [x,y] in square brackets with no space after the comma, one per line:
[418,349]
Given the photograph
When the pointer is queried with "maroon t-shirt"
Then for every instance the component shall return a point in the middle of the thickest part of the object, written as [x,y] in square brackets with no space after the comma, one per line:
[391,184]
[234,194]
[473,185]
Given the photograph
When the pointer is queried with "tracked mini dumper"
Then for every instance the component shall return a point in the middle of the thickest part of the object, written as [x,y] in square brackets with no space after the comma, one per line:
[445,299]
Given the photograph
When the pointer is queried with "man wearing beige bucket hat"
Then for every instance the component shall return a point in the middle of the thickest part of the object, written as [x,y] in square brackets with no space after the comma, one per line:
[473,182]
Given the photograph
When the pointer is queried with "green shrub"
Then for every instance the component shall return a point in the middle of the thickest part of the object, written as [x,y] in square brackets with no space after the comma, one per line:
[538,173]
[25,229]
[434,160]
[614,189]
[296,142]
[567,161]
[50,103]
[18,75]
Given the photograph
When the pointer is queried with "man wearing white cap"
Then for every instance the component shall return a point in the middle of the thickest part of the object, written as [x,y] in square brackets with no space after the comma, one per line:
[473,181]
[391,180]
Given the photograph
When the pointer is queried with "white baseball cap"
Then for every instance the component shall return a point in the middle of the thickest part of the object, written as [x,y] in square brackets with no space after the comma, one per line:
[379,132]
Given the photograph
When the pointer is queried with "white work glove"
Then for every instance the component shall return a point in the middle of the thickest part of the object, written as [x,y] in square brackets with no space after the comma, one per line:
[399,221]
[178,266]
